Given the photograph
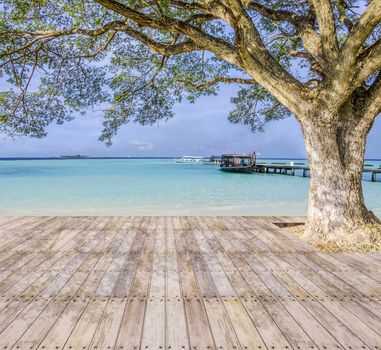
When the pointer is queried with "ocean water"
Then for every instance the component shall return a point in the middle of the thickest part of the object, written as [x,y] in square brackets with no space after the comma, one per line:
[152,187]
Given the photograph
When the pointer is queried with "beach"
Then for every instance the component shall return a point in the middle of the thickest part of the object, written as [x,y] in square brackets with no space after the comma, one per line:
[154,275]
[153,187]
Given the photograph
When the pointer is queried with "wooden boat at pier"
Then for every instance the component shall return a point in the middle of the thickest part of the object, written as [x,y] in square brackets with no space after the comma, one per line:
[238,163]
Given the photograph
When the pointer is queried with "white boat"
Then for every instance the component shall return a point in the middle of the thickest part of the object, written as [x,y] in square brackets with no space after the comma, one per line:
[190,159]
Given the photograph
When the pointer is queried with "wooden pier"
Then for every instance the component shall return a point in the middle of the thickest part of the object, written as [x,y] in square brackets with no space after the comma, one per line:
[199,283]
[284,168]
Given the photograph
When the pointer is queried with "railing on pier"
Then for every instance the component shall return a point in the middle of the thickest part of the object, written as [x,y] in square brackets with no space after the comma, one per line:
[284,168]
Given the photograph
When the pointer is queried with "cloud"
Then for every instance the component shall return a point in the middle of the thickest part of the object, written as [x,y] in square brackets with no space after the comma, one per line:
[142,145]
[201,128]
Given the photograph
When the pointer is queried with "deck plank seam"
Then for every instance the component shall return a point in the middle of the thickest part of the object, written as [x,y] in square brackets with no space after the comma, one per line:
[253,293]
[275,296]
[41,292]
[319,300]
[73,296]
[221,298]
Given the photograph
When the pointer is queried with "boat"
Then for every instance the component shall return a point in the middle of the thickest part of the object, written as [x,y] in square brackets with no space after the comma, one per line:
[77,156]
[238,163]
[190,159]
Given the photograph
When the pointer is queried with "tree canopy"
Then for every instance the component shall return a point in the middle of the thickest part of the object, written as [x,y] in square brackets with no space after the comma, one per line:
[136,59]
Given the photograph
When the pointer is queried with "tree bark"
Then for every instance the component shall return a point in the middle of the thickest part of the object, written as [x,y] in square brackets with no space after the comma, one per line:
[335,152]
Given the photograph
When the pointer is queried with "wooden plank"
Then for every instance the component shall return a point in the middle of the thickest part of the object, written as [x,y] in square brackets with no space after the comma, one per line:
[327,281]
[46,287]
[84,330]
[247,334]
[176,329]
[130,330]
[224,334]
[200,333]
[106,334]
[325,310]
[333,326]
[362,265]
[342,279]
[180,283]
[263,323]
[259,280]
[82,335]
[131,325]
[78,296]
[269,331]
[108,327]
[276,236]
[153,335]
[176,326]
[189,284]
[22,322]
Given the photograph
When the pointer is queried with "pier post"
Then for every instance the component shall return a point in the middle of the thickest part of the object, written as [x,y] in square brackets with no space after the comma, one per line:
[373,176]
[293,172]
[304,172]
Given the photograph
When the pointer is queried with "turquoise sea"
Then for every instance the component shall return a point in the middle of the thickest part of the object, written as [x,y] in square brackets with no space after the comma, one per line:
[152,187]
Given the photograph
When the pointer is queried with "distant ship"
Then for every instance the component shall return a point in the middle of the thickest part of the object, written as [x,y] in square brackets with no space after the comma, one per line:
[77,156]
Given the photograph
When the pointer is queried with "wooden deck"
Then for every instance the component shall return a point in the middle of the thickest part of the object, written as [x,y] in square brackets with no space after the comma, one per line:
[180,283]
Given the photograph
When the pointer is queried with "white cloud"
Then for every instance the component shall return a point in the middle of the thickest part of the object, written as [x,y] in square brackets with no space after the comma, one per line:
[142,145]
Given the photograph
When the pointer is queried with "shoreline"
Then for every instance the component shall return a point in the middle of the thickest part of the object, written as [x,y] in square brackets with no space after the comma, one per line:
[152,187]
[153,158]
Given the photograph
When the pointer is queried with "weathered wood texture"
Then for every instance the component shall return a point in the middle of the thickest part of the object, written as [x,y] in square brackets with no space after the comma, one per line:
[180,283]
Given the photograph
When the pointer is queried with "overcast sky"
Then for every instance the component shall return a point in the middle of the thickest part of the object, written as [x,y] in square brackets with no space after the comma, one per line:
[199,129]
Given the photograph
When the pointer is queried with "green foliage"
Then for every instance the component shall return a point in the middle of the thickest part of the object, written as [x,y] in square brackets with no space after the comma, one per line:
[255,107]
[49,79]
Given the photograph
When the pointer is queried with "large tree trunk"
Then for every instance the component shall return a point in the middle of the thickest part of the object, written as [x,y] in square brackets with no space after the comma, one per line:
[335,151]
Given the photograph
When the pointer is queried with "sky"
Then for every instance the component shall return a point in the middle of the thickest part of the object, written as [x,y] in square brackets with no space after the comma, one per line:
[199,129]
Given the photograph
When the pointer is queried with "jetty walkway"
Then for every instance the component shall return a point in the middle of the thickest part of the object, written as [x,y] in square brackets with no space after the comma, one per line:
[177,283]
[285,168]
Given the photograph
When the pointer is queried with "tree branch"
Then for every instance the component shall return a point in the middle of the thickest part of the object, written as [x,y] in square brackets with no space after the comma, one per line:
[361,30]
[314,64]
[156,47]
[218,80]
[193,6]
[276,15]
[372,106]
[353,67]
[204,40]
[303,24]
[260,64]
[52,34]
[343,7]
[369,61]
[160,48]
[326,22]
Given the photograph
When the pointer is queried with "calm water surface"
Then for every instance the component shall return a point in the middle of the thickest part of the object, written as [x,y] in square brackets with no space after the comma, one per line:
[151,187]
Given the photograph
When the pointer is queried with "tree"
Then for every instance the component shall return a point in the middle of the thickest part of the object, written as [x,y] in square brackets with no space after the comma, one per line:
[318,60]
